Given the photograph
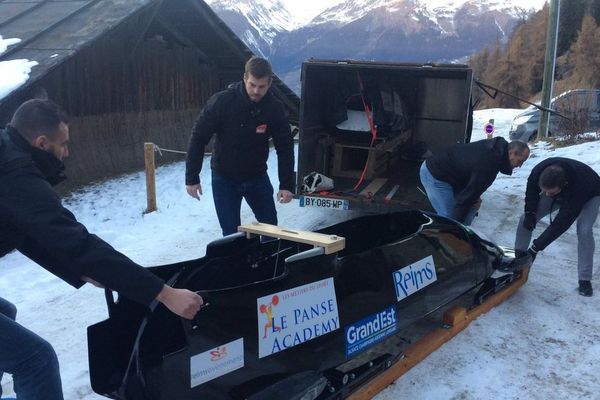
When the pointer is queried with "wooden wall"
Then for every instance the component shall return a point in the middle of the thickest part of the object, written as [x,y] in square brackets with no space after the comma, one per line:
[124,90]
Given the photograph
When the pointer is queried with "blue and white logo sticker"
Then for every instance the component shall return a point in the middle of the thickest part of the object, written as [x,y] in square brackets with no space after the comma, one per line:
[414,277]
[370,331]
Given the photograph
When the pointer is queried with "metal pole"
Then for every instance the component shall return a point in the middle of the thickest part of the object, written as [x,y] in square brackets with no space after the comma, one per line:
[150,177]
[549,63]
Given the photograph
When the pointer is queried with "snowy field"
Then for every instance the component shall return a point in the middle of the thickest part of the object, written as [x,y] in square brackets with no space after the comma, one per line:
[542,343]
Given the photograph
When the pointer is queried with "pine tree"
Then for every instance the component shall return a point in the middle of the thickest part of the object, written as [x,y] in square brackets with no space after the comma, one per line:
[570,16]
[595,10]
[585,53]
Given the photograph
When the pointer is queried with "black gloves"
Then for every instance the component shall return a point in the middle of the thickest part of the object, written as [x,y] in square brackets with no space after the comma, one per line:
[532,252]
[529,221]
[523,259]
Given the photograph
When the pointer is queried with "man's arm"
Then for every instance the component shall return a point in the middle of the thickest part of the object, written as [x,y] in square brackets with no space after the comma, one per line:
[56,241]
[567,214]
[284,146]
[204,128]
[532,191]
[479,181]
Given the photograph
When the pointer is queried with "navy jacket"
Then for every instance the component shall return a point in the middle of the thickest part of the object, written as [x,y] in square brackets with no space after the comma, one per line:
[583,183]
[242,129]
[34,222]
[470,169]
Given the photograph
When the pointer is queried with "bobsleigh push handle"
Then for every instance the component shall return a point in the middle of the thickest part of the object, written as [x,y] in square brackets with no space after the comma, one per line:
[110,301]
[192,326]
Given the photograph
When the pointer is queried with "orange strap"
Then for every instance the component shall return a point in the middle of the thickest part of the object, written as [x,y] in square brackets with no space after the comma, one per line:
[371,126]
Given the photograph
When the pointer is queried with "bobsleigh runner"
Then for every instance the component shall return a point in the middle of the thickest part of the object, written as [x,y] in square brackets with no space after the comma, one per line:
[304,315]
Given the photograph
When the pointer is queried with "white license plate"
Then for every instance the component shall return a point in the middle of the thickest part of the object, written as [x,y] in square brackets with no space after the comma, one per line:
[324,202]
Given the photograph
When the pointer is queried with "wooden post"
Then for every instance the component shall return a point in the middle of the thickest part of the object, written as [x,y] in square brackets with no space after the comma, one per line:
[150,177]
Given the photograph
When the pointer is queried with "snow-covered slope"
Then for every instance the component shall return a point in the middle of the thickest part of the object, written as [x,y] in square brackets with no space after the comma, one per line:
[256,22]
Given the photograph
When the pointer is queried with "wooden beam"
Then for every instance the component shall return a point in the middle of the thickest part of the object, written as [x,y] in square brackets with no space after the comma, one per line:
[331,243]
[373,187]
[456,319]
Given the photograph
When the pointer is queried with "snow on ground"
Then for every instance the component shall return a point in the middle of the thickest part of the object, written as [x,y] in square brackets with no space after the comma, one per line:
[542,343]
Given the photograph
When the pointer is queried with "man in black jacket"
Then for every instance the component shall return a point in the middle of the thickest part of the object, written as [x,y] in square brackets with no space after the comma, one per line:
[573,188]
[243,117]
[34,222]
[455,178]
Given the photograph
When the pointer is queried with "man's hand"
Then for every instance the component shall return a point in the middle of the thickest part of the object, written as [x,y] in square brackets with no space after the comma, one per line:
[529,221]
[194,190]
[182,302]
[284,196]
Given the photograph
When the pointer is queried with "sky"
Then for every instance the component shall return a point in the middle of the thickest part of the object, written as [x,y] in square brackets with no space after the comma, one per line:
[541,343]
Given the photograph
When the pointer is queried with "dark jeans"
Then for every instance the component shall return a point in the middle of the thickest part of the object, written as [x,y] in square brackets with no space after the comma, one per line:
[29,358]
[227,195]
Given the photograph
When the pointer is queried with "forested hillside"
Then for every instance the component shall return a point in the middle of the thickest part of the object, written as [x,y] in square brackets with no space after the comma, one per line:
[517,66]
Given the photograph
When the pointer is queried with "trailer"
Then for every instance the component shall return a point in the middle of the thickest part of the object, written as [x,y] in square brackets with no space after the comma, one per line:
[366,127]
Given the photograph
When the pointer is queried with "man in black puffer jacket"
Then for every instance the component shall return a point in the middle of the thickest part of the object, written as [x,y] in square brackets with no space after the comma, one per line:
[243,117]
[455,178]
[34,222]
[573,188]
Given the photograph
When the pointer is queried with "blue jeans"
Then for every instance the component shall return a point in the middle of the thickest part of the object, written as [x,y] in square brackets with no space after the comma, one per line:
[227,195]
[29,358]
[441,195]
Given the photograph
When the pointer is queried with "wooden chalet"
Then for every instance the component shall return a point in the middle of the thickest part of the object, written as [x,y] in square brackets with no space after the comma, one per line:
[126,71]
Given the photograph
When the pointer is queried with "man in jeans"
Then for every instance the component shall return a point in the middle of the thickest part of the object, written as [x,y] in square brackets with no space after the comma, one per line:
[243,117]
[573,188]
[455,178]
[34,222]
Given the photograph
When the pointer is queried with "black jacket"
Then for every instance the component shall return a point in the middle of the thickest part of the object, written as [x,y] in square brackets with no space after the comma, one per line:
[243,129]
[34,222]
[470,169]
[583,183]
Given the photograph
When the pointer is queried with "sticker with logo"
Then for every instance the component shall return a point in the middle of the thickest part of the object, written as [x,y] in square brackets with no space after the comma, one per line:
[414,277]
[261,128]
[295,316]
[216,362]
[370,330]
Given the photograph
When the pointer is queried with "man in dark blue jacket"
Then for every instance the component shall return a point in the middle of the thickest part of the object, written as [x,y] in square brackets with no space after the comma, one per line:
[455,178]
[33,221]
[573,188]
[243,117]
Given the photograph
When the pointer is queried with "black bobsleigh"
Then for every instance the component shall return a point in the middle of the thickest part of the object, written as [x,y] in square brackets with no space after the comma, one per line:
[306,316]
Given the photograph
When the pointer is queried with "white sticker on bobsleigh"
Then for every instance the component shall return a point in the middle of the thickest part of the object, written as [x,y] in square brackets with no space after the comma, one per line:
[294,316]
[216,362]
[414,277]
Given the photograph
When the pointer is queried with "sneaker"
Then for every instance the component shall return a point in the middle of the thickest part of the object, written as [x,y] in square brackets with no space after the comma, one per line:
[585,288]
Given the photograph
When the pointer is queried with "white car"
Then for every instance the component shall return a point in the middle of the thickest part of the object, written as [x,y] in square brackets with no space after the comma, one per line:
[581,107]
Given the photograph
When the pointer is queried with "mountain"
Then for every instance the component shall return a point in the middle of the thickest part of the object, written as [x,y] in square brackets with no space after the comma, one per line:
[256,22]
[386,30]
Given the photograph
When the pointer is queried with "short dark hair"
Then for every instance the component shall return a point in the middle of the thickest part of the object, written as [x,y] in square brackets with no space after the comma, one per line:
[553,176]
[38,117]
[258,67]
[518,146]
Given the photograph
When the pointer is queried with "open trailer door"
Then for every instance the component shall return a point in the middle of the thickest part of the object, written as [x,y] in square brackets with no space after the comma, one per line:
[366,127]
